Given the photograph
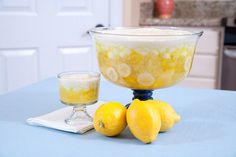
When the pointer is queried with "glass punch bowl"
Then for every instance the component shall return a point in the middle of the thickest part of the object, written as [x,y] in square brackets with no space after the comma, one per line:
[144,58]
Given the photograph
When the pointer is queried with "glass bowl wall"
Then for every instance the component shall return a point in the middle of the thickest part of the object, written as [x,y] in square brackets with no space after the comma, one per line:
[137,58]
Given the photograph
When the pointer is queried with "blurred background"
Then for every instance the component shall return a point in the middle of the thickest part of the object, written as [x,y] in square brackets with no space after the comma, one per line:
[41,38]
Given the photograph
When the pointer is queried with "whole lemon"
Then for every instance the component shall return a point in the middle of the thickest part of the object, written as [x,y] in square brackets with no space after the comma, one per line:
[168,115]
[143,121]
[110,119]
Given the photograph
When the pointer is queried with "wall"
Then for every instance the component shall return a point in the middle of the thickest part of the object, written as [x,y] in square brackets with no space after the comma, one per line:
[131,12]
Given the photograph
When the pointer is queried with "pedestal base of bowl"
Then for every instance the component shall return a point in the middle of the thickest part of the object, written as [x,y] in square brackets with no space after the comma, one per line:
[141,95]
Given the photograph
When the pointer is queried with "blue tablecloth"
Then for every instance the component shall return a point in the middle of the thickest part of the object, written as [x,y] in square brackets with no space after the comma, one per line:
[207,128]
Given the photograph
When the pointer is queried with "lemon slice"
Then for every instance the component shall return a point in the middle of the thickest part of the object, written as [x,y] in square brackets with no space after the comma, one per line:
[112,74]
[145,79]
[123,70]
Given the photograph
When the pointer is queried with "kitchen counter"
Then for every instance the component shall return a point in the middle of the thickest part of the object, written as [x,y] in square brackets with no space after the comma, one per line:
[185,22]
[207,127]
[187,13]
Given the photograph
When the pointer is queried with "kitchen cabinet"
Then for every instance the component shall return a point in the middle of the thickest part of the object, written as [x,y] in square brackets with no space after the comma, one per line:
[205,72]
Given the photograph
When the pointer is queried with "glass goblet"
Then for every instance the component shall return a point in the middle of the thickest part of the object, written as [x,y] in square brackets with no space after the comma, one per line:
[78,89]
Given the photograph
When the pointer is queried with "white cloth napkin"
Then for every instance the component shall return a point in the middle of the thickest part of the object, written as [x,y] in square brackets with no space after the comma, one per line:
[56,119]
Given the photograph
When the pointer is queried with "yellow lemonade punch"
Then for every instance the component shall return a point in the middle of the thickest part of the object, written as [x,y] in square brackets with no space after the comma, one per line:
[78,89]
[145,58]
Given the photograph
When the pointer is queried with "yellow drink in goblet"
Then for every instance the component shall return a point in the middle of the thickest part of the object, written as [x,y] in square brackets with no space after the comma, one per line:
[78,89]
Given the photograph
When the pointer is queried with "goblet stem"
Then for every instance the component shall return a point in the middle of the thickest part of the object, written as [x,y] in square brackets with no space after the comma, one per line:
[141,95]
[79,114]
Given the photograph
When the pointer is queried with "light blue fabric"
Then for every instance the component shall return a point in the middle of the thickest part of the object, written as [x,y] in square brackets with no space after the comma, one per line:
[207,128]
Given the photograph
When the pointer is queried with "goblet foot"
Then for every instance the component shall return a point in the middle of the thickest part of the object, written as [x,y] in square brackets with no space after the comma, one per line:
[141,95]
[79,115]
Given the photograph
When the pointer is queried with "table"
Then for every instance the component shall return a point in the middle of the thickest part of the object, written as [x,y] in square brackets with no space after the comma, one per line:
[207,128]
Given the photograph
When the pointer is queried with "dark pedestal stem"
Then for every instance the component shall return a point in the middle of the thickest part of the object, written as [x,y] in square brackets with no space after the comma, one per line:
[141,95]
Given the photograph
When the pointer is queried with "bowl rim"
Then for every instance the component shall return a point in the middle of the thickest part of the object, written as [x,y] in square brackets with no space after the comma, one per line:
[104,31]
